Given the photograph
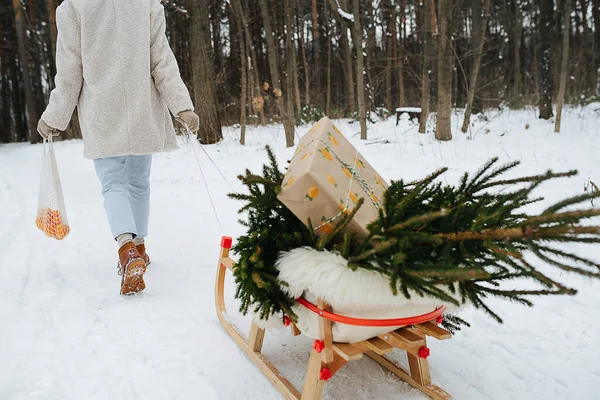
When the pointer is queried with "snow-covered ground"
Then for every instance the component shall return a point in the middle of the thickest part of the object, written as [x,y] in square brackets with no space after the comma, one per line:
[65,333]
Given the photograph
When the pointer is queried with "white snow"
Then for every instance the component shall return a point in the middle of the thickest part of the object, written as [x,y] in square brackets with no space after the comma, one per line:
[65,333]
[409,109]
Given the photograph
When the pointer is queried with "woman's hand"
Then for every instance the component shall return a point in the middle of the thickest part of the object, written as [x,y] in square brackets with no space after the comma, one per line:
[189,118]
[45,130]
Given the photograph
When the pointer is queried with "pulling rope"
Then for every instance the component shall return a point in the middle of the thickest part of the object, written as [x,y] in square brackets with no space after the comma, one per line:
[189,138]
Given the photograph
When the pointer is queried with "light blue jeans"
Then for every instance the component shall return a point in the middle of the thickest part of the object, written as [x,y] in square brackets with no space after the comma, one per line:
[126,190]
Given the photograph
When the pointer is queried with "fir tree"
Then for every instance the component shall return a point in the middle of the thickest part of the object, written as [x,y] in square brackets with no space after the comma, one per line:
[454,243]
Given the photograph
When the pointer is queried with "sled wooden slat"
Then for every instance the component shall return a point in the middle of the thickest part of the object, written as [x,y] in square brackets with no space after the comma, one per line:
[432,391]
[376,345]
[228,263]
[433,330]
[347,351]
[256,337]
[295,330]
[406,335]
[280,382]
[419,369]
[313,386]
[333,356]
[326,333]
[397,341]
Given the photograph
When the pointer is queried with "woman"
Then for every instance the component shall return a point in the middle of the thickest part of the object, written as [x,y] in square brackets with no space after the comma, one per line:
[115,65]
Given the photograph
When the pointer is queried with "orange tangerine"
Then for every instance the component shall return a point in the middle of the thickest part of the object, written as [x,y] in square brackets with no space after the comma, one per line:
[289,182]
[379,182]
[354,197]
[312,193]
[331,180]
[327,228]
[325,153]
[372,196]
[359,163]
[333,139]
[347,172]
[305,155]
[344,209]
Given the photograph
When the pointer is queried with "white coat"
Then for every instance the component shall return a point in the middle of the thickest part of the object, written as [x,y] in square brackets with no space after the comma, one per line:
[115,65]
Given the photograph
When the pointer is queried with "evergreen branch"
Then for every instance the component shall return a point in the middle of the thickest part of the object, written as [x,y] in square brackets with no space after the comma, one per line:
[566,217]
[571,201]
[428,179]
[522,232]
[419,219]
[526,179]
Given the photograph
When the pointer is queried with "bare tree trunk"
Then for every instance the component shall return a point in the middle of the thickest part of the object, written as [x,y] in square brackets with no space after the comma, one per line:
[52,21]
[272,49]
[316,37]
[243,68]
[443,129]
[347,54]
[203,70]
[400,59]
[427,55]
[371,54]
[565,64]
[32,114]
[357,38]
[254,82]
[546,29]
[328,72]
[304,58]
[596,16]
[289,82]
[518,29]
[476,64]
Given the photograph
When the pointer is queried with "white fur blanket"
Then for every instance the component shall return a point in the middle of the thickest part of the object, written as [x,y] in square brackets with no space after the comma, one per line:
[359,294]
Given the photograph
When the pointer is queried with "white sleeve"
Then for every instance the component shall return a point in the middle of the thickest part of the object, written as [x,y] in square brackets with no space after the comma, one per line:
[69,72]
[163,65]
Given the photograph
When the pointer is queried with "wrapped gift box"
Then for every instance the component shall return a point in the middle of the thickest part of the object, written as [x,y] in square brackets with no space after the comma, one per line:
[325,179]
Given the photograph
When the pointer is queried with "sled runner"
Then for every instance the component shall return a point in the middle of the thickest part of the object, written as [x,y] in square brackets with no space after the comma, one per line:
[328,356]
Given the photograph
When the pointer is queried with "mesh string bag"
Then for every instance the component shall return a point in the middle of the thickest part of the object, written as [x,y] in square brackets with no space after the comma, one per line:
[51,214]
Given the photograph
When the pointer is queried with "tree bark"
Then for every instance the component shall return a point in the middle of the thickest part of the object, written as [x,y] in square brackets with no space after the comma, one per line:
[399,61]
[304,57]
[243,68]
[272,49]
[390,42]
[565,64]
[357,38]
[253,78]
[289,82]
[546,29]
[347,54]
[517,31]
[596,16]
[476,64]
[203,70]
[31,110]
[328,72]
[444,104]
[316,36]
[427,55]
[294,58]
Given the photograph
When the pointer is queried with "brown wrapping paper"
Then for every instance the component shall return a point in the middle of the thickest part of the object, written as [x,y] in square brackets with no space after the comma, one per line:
[325,179]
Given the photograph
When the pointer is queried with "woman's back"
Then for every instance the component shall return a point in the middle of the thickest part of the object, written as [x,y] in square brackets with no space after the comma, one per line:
[127,75]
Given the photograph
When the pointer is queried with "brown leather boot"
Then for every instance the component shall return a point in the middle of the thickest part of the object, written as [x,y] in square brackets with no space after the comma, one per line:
[132,268]
[141,248]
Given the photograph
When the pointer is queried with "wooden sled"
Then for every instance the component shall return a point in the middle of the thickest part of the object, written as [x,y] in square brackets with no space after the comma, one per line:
[327,356]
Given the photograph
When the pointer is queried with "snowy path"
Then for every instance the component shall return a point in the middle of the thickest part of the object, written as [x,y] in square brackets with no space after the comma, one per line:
[65,333]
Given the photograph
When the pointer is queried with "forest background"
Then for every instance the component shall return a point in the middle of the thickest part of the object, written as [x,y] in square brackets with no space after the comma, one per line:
[292,61]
